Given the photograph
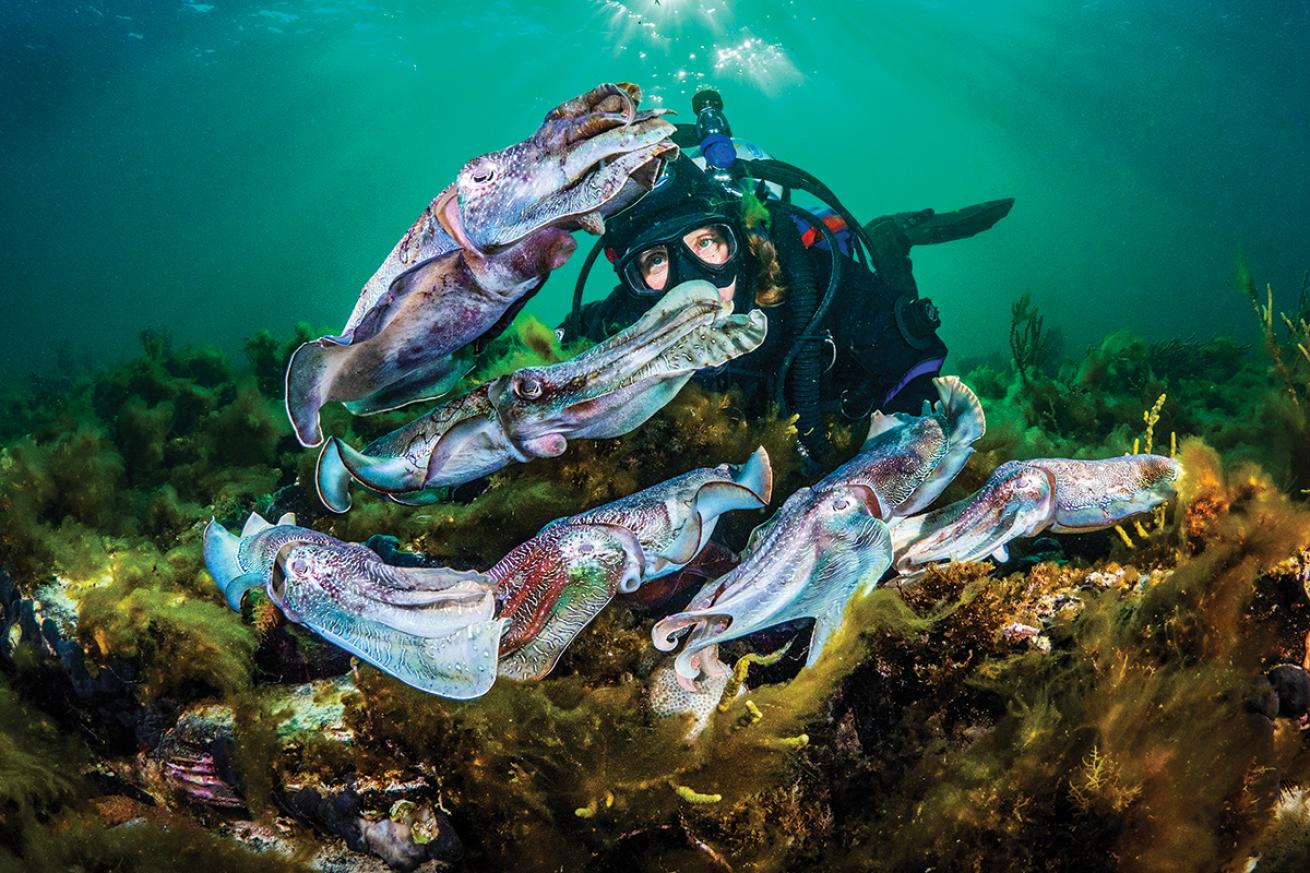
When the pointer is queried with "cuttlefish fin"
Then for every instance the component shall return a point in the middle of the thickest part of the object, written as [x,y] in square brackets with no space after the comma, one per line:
[390,475]
[421,497]
[221,549]
[332,477]
[255,523]
[427,382]
[682,551]
[881,422]
[236,588]
[751,487]
[961,408]
[459,437]
[964,425]
[310,373]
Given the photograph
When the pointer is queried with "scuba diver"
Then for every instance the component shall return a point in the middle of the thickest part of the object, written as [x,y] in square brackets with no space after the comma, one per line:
[848,332]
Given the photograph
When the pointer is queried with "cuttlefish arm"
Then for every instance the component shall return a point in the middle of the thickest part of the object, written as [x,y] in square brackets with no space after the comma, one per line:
[444,642]
[432,628]
[818,551]
[480,248]
[568,125]
[613,387]
[1024,498]
[553,585]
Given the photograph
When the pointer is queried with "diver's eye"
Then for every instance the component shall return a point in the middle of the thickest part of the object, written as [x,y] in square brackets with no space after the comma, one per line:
[653,258]
[528,389]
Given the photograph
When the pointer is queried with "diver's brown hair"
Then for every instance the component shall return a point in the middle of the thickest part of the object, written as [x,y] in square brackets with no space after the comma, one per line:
[757,220]
[769,288]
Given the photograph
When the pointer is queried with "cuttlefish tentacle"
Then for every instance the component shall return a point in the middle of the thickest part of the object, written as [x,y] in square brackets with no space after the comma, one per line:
[432,628]
[1024,498]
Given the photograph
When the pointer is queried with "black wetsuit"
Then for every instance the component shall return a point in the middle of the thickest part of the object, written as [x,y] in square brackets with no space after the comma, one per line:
[872,362]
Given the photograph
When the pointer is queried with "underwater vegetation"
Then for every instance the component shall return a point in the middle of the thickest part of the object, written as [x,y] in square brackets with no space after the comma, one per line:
[1094,703]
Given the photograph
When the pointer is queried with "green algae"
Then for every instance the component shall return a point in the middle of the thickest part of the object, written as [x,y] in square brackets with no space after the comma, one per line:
[151,611]
[1127,747]
[49,819]
[925,736]
[37,767]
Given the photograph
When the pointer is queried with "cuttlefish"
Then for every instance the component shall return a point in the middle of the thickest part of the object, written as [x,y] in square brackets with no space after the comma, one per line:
[907,460]
[1025,498]
[830,542]
[553,585]
[477,253]
[820,549]
[432,628]
[606,391]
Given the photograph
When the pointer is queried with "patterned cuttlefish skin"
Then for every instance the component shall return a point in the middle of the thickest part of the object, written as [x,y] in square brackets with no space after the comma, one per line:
[553,585]
[476,253]
[1024,498]
[907,460]
[831,541]
[807,561]
[797,566]
[606,391]
[432,628]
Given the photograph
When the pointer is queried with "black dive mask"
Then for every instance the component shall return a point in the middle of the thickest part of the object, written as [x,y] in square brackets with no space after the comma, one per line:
[699,247]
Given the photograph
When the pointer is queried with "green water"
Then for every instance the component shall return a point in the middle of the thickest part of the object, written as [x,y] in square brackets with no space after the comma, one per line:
[213,169]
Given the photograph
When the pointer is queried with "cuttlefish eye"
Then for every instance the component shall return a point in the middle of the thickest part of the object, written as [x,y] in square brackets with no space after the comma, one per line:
[840,503]
[528,389]
[297,566]
[482,174]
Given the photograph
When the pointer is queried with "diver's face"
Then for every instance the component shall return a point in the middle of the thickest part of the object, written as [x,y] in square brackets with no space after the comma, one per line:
[710,246]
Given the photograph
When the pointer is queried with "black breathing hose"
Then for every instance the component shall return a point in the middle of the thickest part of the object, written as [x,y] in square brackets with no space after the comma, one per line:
[791,176]
[575,316]
[802,362]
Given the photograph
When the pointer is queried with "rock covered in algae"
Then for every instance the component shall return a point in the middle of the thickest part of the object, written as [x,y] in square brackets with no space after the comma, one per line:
[942,735]
[390,815]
